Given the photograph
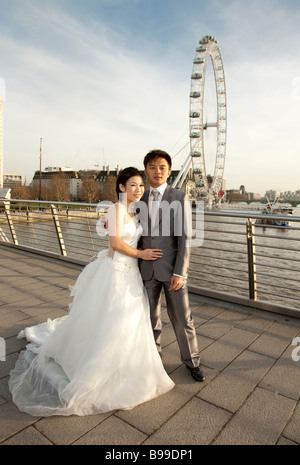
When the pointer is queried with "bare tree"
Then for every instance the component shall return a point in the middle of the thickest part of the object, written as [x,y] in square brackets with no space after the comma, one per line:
[108,189]
[35,192]
[90,190]
[59,188]
[20,192]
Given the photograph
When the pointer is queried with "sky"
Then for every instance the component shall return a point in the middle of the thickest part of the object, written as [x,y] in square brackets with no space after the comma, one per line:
[102,82]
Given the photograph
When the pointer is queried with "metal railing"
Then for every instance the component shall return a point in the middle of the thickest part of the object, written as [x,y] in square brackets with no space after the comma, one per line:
[239,261]
[64,229]
[249,263]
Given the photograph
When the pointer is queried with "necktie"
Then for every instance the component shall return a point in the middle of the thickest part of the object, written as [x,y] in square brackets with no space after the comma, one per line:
[154,205]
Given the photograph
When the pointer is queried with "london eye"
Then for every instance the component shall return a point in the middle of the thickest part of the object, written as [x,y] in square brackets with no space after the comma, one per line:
[207,125]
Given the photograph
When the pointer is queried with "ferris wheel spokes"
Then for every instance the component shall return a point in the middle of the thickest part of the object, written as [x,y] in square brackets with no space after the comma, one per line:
[208,77]
[208,71]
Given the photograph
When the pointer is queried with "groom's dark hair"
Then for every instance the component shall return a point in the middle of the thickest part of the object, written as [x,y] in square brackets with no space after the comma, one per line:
[154,154]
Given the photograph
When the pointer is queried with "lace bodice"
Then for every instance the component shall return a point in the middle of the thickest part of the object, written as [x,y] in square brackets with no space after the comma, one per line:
[132,232]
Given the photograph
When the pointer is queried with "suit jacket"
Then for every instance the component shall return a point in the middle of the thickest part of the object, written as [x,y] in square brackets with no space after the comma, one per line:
[170,233]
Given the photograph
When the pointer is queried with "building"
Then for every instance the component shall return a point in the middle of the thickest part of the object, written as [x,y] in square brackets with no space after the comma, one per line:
[252,196]
[290,196]
[12,180]
[241,195]
[271,195]
[72,176]
[105,177]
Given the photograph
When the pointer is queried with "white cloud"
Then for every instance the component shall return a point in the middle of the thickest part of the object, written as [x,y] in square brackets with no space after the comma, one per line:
[93,99]
[265,147]
[106,98]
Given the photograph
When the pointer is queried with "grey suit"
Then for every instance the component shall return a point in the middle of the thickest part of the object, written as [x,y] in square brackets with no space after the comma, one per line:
[169,234]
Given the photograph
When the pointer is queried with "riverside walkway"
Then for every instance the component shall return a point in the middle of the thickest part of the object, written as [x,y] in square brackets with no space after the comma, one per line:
[250,395]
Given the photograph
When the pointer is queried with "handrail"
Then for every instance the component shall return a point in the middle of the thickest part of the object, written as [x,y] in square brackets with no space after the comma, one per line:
[239,260]
[56,202]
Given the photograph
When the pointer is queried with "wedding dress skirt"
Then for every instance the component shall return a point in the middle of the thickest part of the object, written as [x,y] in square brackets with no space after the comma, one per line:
[102,355]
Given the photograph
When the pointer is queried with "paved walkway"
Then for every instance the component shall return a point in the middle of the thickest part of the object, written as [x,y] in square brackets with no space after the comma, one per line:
[250,396]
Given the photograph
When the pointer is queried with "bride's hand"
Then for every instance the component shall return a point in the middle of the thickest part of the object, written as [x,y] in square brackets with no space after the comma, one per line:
[150,254]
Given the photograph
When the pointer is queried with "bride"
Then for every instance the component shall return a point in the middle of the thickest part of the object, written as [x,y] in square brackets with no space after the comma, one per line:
[102,355]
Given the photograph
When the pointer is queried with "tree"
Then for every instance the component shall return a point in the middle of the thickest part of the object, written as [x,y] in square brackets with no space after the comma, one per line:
[20,192]
[108,190]
[59,188]
[90,190]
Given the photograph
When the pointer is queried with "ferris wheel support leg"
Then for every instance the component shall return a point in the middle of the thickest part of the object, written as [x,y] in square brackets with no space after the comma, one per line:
[210,201]
[182,173]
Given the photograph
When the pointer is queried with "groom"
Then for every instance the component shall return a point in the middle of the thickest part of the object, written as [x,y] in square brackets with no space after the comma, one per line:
[162,214]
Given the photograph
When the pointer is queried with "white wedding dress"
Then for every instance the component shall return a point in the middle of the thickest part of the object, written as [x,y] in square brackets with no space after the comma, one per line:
[102,355]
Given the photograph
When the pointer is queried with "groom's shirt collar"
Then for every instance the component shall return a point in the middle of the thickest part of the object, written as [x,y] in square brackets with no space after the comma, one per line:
[161,189]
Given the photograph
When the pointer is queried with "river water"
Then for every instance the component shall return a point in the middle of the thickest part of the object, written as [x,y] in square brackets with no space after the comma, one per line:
[222,262]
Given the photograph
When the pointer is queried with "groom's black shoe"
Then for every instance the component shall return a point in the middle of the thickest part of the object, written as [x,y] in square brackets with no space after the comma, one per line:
[197,373]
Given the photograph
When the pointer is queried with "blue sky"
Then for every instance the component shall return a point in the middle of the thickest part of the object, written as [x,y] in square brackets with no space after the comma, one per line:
[104,81]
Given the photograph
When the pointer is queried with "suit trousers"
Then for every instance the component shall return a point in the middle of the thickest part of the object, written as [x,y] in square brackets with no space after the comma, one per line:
[180,316]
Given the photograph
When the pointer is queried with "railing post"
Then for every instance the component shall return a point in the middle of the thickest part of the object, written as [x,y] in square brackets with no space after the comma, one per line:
[10,222]
[58,231]
[251,261]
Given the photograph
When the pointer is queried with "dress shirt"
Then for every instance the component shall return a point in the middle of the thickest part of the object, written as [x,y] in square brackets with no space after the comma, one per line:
[161,189]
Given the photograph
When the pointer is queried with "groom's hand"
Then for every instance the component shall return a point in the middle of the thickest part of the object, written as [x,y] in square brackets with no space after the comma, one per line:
[176,283]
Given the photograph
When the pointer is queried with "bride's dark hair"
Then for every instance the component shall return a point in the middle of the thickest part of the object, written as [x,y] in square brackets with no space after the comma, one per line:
[123,177]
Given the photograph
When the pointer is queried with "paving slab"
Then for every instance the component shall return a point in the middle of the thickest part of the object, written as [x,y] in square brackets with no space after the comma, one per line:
[197,422]
[284,376]
[150,416]
[225,349]
[13,421]
[28,437]
[219,325]
[66,430]
[259,421]
[112,431]
[275,339]
[292,430]
[235,383]
[250,395]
